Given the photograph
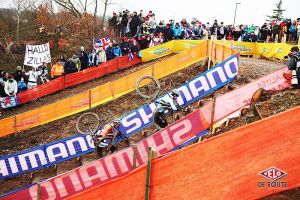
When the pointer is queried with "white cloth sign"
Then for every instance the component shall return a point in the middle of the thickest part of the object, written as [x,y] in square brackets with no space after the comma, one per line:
[35,55]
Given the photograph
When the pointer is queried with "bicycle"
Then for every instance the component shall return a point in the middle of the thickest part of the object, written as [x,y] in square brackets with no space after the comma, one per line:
[149,88]
[89,124]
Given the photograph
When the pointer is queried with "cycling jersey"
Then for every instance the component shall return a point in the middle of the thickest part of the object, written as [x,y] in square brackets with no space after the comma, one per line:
[167,99]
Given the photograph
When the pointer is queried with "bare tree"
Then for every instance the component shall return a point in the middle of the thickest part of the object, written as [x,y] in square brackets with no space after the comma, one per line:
[20,5]
[68,5]
[106,4]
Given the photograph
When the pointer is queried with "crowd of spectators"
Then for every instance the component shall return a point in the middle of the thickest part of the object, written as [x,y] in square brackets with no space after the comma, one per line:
[134,32]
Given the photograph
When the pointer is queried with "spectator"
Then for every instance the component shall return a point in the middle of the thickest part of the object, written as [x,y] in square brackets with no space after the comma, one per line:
[143,41]
[57,70]
[168,34]
[152,23]
[110,52]
[32,78]
[11,86]
[125,45]
[70,65]
[77,62]
[264,32]
[22,85]
[134,24]
[124,22]
[101,55]
[222,31]
[117,50]
[18,74]
[2,82]
[93,58]
[160,29]
[134,47]
[83,57]
[251,38]
[298,29]
[62,60]
[275,32]
[44,73]
[142,20]
[293,32]
[177,31]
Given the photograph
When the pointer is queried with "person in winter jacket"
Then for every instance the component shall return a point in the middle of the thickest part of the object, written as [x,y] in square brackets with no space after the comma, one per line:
[125,45]
[160,29]
[18,74]
[93,58]
[32,78]
[134,47]
[57,70]
[101,55]
[77,62]
[2,83]
[251,37]
[110,52]
[177,31]
[221,31]
[22,86]
[83,57]
[168,34]
[43,72]
[293,64]
[117,50]
[71,65]
[11,86]
[134,24]
[143,41]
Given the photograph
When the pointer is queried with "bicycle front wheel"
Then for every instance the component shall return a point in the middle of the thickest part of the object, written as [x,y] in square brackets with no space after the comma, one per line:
[88,123]
[148,87]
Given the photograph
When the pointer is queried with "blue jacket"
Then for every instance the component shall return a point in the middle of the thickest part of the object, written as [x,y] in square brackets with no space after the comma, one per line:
[117,51]
[177,32]
[91,61]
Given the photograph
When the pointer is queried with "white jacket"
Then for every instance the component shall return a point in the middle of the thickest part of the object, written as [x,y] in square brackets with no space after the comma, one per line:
[33,76]
[11,88]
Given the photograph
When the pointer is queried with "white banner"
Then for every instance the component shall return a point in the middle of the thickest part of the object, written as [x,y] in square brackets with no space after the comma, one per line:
[35,55]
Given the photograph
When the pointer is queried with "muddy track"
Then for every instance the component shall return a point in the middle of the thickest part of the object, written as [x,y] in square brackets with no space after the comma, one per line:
[253,68]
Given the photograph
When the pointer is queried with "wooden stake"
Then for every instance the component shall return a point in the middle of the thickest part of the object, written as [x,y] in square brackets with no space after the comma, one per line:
[212,114]
[210,55]
[38,195]
[134,156]
[147,195]
[90,99]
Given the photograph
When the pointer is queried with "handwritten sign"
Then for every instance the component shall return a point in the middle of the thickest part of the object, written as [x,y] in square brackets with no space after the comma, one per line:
[35,55]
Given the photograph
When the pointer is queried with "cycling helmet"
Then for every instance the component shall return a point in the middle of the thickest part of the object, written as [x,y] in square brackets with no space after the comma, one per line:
[118,121]
[175,93]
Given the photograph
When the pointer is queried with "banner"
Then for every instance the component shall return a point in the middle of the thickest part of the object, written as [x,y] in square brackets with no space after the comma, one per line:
[226,167]
[103,42]
[157,51]
[35,55]
[8,102]
[118,164]
[133,122]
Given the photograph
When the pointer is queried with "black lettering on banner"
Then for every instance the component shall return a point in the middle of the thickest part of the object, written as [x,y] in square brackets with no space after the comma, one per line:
[261,184]
[30,60]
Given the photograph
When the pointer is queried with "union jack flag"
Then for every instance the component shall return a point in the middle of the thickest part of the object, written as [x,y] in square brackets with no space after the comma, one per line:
[102,42]
[130,56]
[8,102]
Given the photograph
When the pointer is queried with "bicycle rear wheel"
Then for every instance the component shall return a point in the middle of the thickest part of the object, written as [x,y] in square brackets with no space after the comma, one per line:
[88,123]
[148,87]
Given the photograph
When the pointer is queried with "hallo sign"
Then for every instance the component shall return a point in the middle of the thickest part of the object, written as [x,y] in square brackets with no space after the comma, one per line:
[35,55]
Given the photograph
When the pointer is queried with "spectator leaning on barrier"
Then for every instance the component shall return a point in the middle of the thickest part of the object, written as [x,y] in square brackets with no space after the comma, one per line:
[44,73]
[168,34]
[11,86]
[117,49]
[134,47]
[2,82]
[57,69]
[84,60]
[101,55]
[32,78]
[22,86]
[125,45]
[19,73]
[93,58]
[110,52]
[70,65]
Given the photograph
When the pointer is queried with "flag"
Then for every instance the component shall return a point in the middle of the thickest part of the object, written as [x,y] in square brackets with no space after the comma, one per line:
[102,42]
[8,102]
[130,56]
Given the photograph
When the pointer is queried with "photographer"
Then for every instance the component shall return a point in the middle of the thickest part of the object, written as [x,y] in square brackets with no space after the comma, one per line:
[294,65]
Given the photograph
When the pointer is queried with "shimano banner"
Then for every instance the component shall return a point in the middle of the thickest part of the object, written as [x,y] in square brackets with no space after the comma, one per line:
[62,150]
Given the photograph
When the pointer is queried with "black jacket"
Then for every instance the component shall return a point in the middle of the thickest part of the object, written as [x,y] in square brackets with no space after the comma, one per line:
[135,21]
[125,47]
[84,59]
[168,34]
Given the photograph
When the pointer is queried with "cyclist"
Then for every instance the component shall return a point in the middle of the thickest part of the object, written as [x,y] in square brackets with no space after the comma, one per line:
[108,130]
[166,103]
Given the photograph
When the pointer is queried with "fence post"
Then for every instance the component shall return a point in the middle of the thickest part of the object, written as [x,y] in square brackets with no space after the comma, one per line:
[299,41]
[223,53]
[215,50]
[212,115]
[134,147]
[150,157]
[231,47]
[117,60]
[38,191]
[111,90]
[15,123]
[210,54]
[90,99]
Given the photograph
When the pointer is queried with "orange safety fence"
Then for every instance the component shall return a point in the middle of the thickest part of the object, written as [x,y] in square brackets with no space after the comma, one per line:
[224,167]
[100,94]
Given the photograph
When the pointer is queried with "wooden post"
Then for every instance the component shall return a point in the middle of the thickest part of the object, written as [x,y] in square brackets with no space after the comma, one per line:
[15,123]
[299,41]
[38,191]
[134,156]
[232,46]
[111,90]
[215,50]
[223,53]
[90,99]
[152,71]
[147,195]
[212,117]
[210,54]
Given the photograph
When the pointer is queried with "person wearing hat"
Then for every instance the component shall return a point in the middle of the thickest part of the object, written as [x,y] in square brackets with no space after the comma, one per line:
[32,78]
[11,86]
[125,46]
[93,58]
[43,72]
[110,52]
[84,59]
[117,49]
[169,33]
[134,24]
[177,31]
[19,73]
